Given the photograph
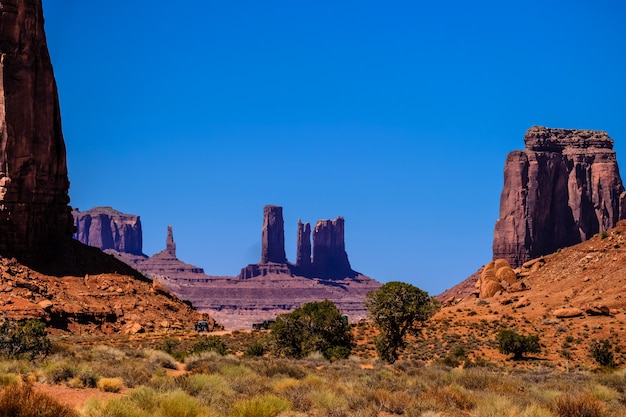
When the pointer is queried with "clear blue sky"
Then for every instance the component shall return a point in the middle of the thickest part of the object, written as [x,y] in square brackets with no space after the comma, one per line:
[396,115]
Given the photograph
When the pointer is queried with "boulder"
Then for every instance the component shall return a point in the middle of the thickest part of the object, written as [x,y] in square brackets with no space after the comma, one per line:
[489,289]
[506,274]
[598,310]
[565,313]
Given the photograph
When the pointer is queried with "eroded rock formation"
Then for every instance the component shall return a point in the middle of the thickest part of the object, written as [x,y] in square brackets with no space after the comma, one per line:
[273,236]
[107,228]
[34,213]
[561,190]
[329,249]
[303,248]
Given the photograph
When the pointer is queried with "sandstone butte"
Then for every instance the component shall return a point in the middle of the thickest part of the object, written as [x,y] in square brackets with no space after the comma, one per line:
[44,272]
[263,290]
[563,188]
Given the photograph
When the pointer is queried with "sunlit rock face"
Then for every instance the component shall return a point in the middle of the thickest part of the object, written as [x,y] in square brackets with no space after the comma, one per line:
[34,213]
[563,188]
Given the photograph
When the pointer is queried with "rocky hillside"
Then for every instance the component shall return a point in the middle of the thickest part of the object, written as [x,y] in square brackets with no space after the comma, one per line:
[569,298]
[563,188]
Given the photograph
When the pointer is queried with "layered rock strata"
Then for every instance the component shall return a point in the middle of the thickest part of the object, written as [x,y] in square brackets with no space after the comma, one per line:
[107,228]
[563,188]
[34,213]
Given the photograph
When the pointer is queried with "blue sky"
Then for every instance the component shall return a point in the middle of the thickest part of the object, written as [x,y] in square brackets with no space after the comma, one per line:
[396,115]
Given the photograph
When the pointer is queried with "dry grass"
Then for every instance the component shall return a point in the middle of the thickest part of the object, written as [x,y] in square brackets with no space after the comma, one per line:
[21,400]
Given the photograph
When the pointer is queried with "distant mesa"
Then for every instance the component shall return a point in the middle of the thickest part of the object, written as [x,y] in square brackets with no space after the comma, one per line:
[559,191]
[107,228]
[268,288]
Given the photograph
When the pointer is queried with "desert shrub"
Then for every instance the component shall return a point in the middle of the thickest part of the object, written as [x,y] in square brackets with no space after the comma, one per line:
[580,406]
[329,402]
[9,379]
[55,372]
[21,400]
[179,404]
[255,349]
[601,352]
[397,308]
[446,398]
[511,342]
[210,344]
[281,367]
[494,405]
[394,402]
[110,384]
[263,406]
[161,359]
[26,338]
[296,393]
[196,383]
[313,327]
[202,362]
[113,408]
[84,377]
[106,353]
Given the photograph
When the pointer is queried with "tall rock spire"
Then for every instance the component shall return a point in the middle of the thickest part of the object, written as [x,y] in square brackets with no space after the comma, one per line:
[561,190]
[303,246]
[170,245]
[34,212]
[273,235]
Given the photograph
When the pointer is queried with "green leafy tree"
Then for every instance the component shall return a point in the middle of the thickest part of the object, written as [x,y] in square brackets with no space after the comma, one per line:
[313,327]
[601,352]
[510,341]
[398,309]
[26,338]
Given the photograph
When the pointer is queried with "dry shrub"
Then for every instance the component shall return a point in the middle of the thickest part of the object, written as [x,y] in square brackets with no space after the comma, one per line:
[113,408]
[447,398]
[578,406]
[534,410]
[298,396]
[394,402]
[263,406]
[110,384]
[161,359]
[205,362]
[56,372]
[9,379]
[21,400]
[332,404]
[494,405]
[179,404]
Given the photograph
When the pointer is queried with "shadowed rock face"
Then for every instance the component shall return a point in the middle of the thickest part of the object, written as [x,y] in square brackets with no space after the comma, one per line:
[34,213]
[303,248]
[107,228]
[561,190]
[329,250]
[273,236]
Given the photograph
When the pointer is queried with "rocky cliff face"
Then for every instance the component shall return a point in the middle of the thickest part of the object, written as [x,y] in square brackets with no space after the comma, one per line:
[273,236]
[107,228]
[34,212]
[303,248]
[329,249]
[561,190]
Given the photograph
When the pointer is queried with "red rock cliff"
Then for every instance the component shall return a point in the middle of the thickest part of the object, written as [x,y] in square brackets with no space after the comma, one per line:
[561,190]
[34,211]
[273,236]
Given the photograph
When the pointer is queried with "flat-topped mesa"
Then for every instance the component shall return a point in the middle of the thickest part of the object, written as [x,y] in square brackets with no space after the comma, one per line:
[273,236]
[329,250]
[539,138]
[303,248]
[34,214]
[107,228]
[170,245]
[562,189]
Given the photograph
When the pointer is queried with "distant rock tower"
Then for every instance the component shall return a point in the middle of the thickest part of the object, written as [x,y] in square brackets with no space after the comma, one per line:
[303,247]
[561,190]
[329,249]
[34,213]
[170,245]
[107,228]
[273,236]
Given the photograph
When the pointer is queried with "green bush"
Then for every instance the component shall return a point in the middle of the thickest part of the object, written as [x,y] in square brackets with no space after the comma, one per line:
[255,349]
[601,352]
[24,339]
[210,344]
[263,406]
[511,342]
[313,327]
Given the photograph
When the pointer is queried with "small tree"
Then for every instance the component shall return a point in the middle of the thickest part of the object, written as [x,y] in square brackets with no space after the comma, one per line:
[397,308]
[512,342]
[601,352]
[26,338]
[313,327]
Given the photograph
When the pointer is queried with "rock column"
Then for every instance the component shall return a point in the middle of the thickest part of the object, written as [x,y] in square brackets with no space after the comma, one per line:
[34,213]
[303,248]
[273,236]
[329,249]
[170,245]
